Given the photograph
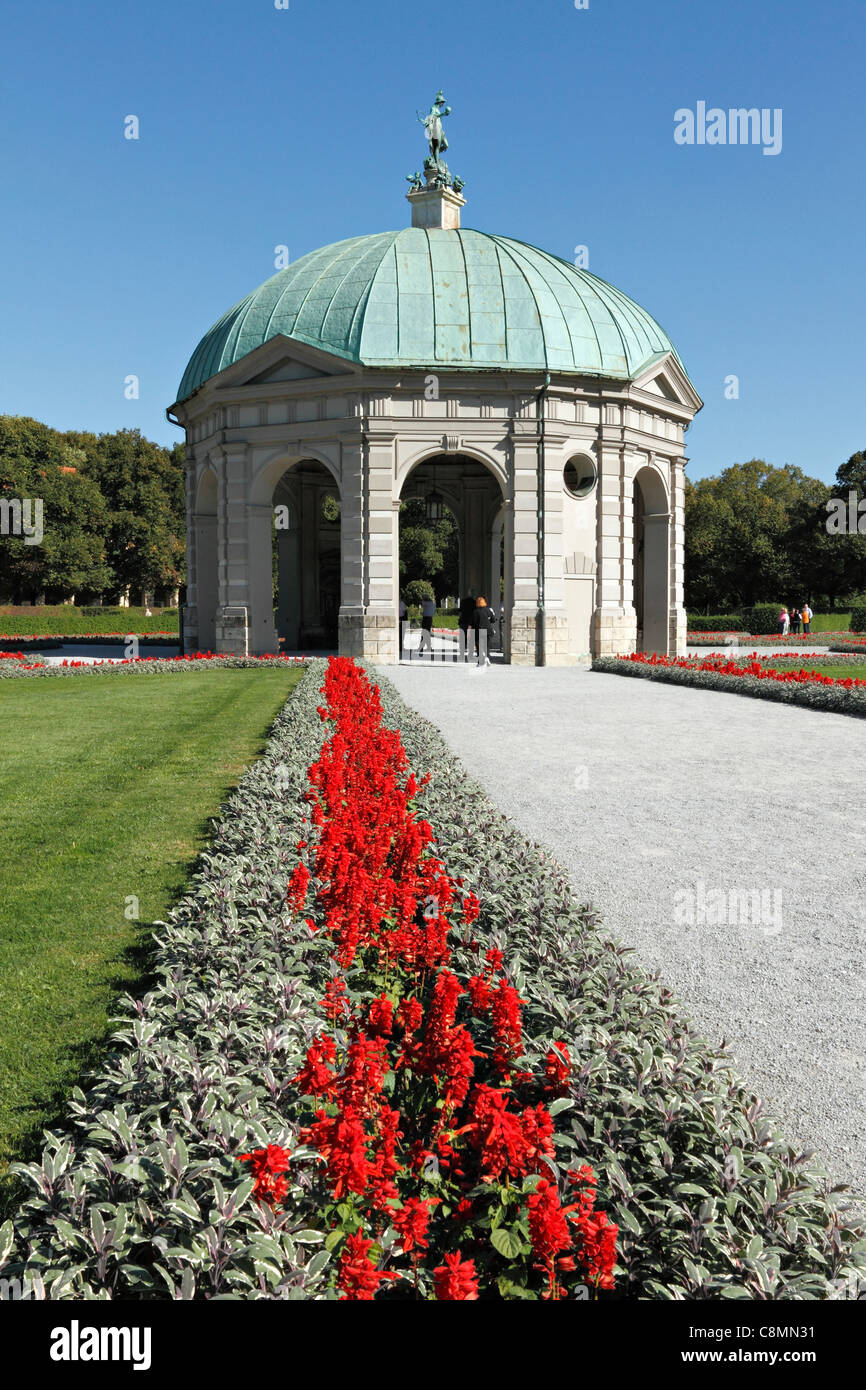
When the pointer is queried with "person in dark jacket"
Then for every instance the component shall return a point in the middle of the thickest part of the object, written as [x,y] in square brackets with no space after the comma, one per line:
[483,629]
[466,618]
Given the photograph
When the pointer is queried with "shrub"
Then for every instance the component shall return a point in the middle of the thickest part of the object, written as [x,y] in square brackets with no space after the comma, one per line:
[726,623]
[417,590]
[763,618]
[858,618]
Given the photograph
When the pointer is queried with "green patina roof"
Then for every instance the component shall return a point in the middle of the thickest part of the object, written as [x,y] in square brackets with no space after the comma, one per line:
[437,298]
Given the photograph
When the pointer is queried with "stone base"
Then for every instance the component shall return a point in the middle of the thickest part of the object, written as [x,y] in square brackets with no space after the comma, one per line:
[526,640]
[232,632]
[614,632]
[189,627]
[677,632]
[372,636]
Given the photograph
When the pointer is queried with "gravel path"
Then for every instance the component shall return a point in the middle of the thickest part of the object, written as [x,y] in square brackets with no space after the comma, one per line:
[652,797]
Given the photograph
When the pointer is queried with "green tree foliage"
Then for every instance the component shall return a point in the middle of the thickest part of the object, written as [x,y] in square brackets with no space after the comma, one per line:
[428,551]
[758,534]
[113,512]
[39,464]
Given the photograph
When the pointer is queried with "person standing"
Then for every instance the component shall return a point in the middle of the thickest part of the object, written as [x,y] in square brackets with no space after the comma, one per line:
[795,621]
[807,617]
[466,619]
[428,612]
[482,623]
[784,621]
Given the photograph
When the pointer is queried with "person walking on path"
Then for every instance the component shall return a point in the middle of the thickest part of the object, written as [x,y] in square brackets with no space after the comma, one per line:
[784,621]
[807,617]
[428,612]
[404,614]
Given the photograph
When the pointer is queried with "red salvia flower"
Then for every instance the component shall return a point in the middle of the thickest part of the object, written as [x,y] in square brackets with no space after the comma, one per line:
[380,1016]
[358,1279]
[316,1077]
[268,1167]
[412,1221]
[296,894]
[455,1279]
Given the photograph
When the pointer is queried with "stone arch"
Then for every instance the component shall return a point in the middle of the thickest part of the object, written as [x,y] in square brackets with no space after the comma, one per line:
[206,557]
[651,581]
[474,487]
[308,541]
[268,474]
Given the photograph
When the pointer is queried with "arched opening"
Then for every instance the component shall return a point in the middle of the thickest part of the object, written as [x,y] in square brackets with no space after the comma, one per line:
[651,561]
[207,582]
[468,544]
[306,557]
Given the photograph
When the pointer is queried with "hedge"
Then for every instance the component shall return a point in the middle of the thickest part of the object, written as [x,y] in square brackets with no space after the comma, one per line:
[67,620]
[858,618]
[139,1196]
[727,623]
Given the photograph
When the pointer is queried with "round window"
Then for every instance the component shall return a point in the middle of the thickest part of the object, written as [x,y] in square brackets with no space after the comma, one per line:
[579,476]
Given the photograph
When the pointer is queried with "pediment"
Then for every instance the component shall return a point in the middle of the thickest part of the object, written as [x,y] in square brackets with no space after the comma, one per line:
[665,379]
[287,369]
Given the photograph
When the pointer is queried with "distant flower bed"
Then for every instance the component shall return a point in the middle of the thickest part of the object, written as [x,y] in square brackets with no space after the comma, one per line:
[801,639]
[16,664]
[746,676]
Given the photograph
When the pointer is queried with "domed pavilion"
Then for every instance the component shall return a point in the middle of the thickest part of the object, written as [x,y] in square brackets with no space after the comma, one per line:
[543,407]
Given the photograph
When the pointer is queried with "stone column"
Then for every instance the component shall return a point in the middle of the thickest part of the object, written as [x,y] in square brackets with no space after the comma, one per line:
[524,549]
[678,620]
[614,625]
[381,635]
[233,610]
[368,611]
[262,629]
[190,611]
[556,643]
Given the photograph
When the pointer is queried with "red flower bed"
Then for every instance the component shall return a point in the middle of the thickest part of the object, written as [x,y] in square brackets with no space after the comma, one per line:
[750,666]
[427,1141]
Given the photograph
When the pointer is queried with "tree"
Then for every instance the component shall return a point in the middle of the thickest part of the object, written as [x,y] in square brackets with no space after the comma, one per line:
[428,550]
[38,464]
[143,485]
[756,534]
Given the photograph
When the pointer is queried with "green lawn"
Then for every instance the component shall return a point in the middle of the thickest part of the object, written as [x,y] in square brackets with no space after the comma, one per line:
[856,671]
[105,791]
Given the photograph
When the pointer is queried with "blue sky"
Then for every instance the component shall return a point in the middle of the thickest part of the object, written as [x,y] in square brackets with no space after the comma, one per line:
[261,127]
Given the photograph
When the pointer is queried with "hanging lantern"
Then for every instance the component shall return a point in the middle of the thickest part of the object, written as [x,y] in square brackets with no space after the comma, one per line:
[435,505]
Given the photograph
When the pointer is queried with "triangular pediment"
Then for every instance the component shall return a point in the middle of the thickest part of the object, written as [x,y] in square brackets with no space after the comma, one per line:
[287,369]
[660,386]
[665,379]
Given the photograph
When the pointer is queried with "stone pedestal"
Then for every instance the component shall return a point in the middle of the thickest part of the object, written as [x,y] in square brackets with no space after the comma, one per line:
[232,631]
[677,632]
[370,635]
[614,632]
[189,628]
[526,644]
